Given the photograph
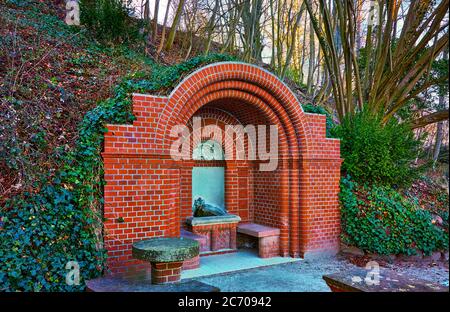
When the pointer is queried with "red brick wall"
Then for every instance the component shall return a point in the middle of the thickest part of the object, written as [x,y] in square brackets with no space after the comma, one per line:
[148,194]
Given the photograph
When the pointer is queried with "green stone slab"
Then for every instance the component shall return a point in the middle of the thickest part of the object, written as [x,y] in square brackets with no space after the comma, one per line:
[228,218]
[165,249]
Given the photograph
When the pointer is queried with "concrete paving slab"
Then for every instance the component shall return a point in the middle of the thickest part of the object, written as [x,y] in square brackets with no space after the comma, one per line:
[231,262]
[297,276]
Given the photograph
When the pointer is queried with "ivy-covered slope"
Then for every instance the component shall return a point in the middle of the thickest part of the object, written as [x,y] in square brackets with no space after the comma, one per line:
[51,74]
[43,231]
[57,218]
[381,220]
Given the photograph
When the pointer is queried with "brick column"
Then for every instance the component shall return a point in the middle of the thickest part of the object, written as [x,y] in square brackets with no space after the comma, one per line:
[284,211]
[294,209]
[233,237]
[166,272]
[214,238]
[319,214]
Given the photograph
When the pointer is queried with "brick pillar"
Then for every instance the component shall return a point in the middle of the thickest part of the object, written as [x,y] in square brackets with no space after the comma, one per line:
[319,214]
[294,209]
[166,272]
[284,211]
[214,238]
[232,237]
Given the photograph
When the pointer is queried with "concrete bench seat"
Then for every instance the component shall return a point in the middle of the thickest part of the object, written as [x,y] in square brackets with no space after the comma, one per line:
[363,280]
[268,238]
[166,256]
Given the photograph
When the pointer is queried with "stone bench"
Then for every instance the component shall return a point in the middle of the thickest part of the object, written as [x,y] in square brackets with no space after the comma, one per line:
[166,256]
[354,280]
[268,238]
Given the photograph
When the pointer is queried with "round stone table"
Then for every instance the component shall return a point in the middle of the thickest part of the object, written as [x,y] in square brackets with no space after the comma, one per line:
[166,256]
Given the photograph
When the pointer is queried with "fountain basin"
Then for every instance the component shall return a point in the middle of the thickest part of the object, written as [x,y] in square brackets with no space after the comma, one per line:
[219,233]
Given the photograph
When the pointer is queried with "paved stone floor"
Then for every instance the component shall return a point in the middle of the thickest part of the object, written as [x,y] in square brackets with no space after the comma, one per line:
[272,275]
[299,276]
[241,260]
[305,276]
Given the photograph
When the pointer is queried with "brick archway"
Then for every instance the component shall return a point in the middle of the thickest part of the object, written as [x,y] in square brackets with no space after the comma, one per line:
[148,190]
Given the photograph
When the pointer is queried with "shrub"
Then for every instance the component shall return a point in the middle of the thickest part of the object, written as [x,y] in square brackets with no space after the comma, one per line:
[380,220]
[377,153]
[106,19]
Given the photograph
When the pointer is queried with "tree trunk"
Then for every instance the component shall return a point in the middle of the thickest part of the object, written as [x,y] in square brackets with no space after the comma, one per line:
[312,53]
[147,10]
[272,57]
[163,34]
[292,46]
[302,63]
[173,29]
[438,142]
[155,21]
[211,23]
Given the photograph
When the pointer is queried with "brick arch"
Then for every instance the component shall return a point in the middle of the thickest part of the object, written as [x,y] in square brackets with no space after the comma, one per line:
[221,118]
[235,76]
[288,227]
[254,86]
[249,100]
[144,184]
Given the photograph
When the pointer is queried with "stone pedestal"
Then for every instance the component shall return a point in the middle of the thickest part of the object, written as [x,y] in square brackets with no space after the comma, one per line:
[219,233]
[166,256]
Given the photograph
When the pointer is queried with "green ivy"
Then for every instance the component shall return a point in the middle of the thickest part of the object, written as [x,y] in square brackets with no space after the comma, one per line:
[380,220]
[42,231]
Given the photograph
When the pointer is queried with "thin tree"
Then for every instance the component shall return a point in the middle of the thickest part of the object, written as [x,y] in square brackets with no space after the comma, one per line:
[176,21]
[391,72]
[163,34]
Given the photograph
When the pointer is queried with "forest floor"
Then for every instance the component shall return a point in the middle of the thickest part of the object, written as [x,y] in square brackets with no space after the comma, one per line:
[51,75]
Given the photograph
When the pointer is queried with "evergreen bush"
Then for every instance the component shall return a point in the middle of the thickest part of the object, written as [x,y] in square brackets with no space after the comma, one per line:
[106,19]
[377,153]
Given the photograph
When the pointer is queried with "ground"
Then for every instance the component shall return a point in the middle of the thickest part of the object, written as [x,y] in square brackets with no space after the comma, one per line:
[306,276]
